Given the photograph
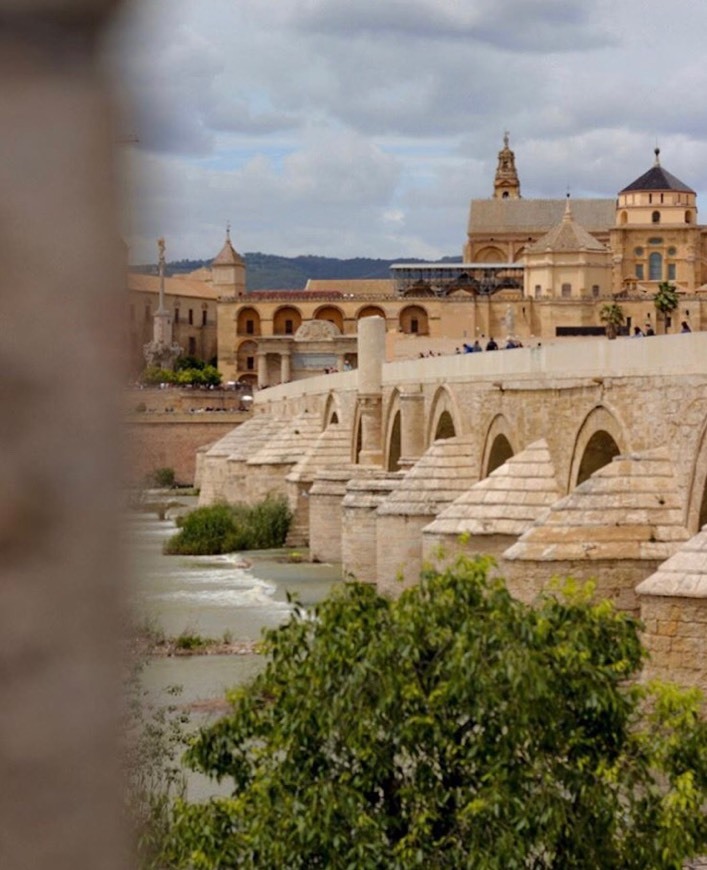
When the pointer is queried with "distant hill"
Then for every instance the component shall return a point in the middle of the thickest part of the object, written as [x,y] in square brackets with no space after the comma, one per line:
[270,272]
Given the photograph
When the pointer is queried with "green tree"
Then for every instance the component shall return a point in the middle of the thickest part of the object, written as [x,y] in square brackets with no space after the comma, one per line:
[454,727]
[154,375]
[613,317]
[666,300]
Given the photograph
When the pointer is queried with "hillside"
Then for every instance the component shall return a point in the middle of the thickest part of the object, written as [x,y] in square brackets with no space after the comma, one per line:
[271,272]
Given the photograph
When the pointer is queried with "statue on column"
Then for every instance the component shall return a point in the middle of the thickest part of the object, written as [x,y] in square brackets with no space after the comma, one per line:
[162,352]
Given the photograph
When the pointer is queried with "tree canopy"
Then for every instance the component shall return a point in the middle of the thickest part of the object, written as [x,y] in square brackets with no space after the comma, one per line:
[452,727]
[666,298]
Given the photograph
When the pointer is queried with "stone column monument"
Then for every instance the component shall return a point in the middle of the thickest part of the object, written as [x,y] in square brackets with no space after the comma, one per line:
[371,355]
[162,351]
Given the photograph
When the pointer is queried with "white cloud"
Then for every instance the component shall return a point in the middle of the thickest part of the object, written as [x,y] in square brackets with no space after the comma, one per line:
[364,128]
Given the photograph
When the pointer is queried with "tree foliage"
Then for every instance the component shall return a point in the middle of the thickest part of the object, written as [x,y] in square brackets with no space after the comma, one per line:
[453,727]
[613,317]
[201,376]
[666,300]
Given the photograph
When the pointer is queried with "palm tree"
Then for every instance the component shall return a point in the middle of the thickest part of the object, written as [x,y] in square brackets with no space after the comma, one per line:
[666,300]
[612,316]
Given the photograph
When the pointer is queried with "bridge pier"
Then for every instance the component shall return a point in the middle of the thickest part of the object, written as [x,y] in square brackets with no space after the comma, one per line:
[365,492]
[412,426]
[674,612]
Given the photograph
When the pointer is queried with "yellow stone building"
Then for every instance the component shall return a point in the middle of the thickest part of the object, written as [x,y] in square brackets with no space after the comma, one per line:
[532,270]
[192,302]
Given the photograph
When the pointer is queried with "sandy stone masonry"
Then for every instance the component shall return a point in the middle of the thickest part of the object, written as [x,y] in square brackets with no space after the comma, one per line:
[615,528]
[585,459]
[674,613]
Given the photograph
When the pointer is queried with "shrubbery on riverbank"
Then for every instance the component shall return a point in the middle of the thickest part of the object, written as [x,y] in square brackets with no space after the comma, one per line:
[223,528]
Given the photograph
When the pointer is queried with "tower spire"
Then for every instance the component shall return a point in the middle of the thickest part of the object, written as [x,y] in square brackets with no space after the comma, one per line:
[506,184]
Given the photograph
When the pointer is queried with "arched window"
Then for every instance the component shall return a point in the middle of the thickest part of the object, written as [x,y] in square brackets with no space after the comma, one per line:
[688,217]
[566,290]
[655,217]
[655,266]
[624,217]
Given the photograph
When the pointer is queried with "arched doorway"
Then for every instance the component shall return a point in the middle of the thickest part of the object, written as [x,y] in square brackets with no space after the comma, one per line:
[287,321]
[370,311]
[246,357]
[248,322]
[413,320]
[331,314]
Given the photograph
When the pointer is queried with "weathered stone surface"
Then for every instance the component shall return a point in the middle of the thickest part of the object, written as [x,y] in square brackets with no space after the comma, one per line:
[618,513]
[364,494]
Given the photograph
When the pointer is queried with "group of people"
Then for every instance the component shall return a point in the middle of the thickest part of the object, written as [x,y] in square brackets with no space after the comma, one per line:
[639,333]
[491,344]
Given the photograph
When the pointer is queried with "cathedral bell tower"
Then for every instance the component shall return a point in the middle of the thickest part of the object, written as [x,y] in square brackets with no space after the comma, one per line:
[506,184]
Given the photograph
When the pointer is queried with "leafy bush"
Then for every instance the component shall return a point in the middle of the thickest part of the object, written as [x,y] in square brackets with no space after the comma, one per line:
[197,375]
[153,375]
[452,727]
[223,528]
[190,641]
[164,478]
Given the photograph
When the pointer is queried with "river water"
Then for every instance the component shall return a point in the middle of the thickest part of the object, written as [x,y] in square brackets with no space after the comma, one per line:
[237,594]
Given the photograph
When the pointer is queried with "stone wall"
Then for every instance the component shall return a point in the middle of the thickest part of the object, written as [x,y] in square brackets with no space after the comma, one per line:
[615,580]
[676,639]
[172,441]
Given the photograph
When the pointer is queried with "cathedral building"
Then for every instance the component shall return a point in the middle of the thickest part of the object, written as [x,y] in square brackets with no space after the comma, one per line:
[532,270]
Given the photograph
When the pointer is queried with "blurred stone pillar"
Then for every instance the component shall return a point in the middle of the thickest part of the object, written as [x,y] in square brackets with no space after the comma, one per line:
[371,354]
[60,465]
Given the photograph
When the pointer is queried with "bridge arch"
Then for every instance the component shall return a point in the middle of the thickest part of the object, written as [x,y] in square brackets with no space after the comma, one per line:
[392,441]
[600,437]
[356,436]
[444,420]
[697,492]
[332,410]
[498,445]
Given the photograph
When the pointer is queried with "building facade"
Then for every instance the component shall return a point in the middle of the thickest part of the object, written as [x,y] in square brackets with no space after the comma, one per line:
[532,270]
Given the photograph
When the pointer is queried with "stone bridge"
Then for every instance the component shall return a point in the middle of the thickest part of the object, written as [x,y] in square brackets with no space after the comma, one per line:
[584,459]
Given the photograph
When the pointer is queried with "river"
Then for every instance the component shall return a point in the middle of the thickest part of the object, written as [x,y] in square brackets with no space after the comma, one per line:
[237,594]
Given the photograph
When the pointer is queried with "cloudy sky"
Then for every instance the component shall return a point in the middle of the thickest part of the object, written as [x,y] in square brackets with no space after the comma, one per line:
[364,127]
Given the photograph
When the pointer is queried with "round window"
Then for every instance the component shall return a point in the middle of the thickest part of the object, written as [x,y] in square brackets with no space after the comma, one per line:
[638,252]
[672,252]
